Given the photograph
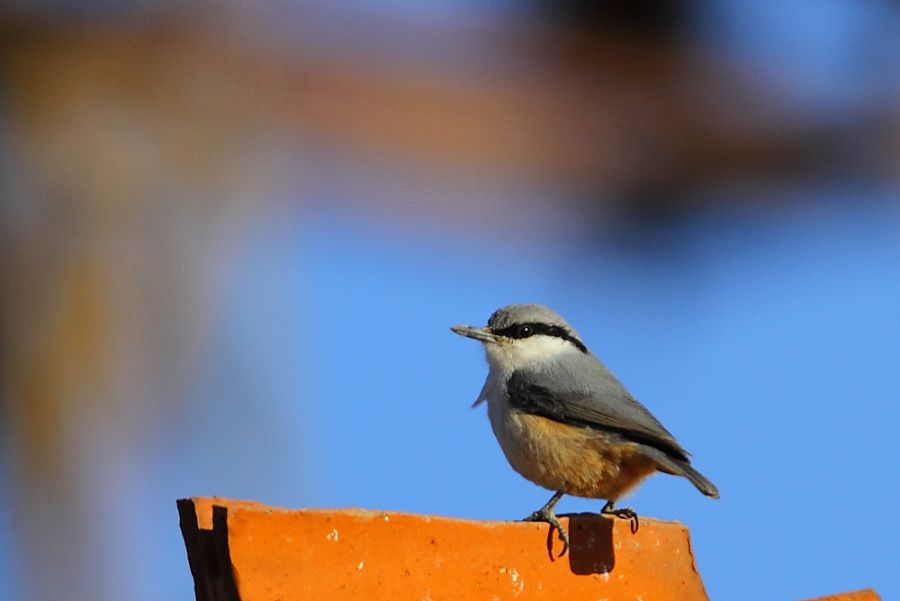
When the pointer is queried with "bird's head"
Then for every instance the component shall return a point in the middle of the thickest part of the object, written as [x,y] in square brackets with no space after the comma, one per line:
[517,336]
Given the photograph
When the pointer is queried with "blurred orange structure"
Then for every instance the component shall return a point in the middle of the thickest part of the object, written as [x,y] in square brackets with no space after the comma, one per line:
[248,551]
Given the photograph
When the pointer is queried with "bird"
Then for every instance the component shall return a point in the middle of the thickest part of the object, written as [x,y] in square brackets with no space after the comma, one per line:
[564,421]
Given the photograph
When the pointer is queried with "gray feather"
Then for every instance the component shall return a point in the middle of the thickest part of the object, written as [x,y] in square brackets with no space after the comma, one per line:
[676,467]
[582,391]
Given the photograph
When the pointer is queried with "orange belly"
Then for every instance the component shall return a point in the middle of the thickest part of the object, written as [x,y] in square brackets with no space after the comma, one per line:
[579,461]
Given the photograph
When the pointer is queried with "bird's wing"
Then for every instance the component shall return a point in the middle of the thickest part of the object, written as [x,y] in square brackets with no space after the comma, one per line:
[588,394]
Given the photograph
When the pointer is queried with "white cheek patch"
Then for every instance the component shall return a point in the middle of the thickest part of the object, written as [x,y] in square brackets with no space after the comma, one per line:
[515,354]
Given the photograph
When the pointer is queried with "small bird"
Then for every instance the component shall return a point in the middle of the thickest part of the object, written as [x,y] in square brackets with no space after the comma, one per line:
[562,418]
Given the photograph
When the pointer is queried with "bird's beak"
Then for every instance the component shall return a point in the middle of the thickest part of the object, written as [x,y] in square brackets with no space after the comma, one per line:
[482,334]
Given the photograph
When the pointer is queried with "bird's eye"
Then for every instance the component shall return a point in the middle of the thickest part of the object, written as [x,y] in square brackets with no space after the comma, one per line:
[524,331]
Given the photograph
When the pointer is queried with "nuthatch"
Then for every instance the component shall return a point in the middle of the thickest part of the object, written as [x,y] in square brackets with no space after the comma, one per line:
[562,418]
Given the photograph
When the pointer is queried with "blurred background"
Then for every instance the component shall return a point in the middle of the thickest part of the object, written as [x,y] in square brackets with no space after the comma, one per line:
[233,237]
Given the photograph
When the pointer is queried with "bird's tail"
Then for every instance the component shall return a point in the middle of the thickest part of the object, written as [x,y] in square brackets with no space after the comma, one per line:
[677,467]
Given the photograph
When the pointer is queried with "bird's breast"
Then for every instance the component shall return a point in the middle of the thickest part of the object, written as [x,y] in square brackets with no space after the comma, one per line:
[581,461]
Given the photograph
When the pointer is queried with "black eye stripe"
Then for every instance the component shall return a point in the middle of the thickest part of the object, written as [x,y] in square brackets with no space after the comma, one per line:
[515,331]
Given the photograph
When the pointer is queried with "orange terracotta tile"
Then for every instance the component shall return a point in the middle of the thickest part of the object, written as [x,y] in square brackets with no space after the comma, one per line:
[244,550]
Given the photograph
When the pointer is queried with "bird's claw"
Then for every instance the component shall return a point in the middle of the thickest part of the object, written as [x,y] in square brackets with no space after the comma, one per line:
[550,518]
[625,513]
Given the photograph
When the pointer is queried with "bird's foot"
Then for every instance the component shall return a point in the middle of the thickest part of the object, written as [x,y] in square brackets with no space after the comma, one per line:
[624,512]
[548,517]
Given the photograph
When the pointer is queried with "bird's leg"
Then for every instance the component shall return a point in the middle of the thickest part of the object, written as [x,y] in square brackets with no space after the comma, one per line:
[546,514]
[624,512]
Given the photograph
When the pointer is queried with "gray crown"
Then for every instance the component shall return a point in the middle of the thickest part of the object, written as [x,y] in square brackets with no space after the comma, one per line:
[527,313]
